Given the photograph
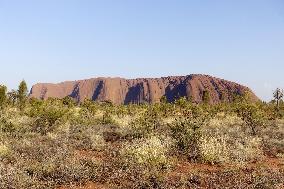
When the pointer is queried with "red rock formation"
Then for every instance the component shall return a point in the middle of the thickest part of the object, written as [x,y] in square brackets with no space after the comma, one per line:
[125,91]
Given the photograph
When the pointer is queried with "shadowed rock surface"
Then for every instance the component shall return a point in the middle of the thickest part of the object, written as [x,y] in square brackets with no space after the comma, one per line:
[143,90]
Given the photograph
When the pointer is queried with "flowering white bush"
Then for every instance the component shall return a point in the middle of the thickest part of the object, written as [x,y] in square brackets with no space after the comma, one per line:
[248,149]
[222,149]
[150,152]
[214,149]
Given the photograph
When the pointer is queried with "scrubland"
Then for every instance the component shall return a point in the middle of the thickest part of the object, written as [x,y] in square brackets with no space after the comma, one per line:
[60,144]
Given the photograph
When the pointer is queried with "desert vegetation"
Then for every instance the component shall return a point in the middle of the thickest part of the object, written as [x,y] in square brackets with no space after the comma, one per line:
[59,143]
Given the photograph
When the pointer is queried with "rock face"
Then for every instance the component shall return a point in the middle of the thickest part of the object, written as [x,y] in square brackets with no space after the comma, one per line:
[126,91]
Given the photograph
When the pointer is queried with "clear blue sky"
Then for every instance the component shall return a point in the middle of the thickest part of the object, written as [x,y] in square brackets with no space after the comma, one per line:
[58,40]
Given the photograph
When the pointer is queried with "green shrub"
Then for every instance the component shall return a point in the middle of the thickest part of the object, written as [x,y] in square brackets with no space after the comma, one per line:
[253,116]
[107,118]
[68,101]
[46,120]
[186,132]
[146,124]
[7,126]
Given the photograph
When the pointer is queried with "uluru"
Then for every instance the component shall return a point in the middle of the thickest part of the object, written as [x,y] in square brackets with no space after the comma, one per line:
[144,90]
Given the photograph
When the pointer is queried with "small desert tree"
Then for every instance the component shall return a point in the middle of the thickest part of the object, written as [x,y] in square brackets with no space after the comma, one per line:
[278,95]
[3,96]
[22,94]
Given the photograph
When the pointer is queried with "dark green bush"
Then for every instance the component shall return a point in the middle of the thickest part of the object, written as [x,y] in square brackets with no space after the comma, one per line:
[146,124]
[186,132]
[69,101]
[47,118]
[6,126]
[253,116]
